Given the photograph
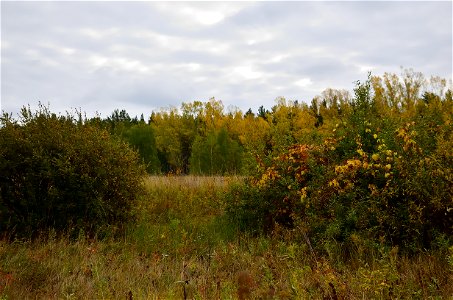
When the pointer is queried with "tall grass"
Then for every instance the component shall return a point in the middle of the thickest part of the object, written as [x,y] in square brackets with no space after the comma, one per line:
[181,246]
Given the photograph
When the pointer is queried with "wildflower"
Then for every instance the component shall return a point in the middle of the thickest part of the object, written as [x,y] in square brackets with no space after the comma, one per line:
[356,163]
[334,183]
[361,152]
[303,194]
[354,238]
[401,132]
[375,157]
[375,136]
[373,189]
[349,185]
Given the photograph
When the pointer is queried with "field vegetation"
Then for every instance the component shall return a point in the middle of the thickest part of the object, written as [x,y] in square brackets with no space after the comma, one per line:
[182,245]
[350,197]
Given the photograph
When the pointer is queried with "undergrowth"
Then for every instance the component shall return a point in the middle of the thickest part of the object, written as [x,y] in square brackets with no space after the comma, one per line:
[183,247]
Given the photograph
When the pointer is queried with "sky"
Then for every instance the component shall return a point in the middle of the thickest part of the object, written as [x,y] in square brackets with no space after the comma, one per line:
[144,56]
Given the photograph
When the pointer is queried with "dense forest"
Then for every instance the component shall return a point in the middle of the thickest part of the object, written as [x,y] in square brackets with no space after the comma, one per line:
[201,138]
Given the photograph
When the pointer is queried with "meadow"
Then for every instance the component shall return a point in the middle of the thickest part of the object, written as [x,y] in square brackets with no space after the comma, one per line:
[183,247]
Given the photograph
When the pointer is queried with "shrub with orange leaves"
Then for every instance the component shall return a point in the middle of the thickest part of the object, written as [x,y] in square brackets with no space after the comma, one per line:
[386,180]
[396,196]
[275,195]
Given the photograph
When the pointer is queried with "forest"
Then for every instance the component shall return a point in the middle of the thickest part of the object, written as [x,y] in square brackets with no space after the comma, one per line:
[349,196]
[201,138]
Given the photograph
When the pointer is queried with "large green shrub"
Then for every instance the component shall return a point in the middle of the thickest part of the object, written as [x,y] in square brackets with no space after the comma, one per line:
[393,196]
[277,194]
[374,181]
[61,174]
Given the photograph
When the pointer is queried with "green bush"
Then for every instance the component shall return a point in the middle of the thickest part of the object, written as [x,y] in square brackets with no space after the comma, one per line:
[251,208]
[276,195]
[376,181]
[399,196]
[61,174]
[386,196]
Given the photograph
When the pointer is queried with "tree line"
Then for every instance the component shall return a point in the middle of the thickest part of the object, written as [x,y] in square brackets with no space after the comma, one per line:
[201,138]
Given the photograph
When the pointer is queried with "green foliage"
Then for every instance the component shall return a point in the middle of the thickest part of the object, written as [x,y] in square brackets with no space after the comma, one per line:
[396,196]
[181,244]
[216,154]
[383,103]
[61,174]
[276,195]
[249,208]
[141,137]
[385,180]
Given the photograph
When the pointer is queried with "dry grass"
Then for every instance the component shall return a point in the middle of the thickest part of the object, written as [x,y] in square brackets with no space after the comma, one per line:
[190,181]
[181,247]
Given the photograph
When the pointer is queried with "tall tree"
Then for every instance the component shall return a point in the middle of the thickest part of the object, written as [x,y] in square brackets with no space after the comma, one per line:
[141,137]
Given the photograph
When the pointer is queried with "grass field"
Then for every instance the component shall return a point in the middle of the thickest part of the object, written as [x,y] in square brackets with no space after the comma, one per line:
[182,247]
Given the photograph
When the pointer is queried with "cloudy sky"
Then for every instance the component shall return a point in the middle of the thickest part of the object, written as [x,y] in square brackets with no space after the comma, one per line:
[142,56]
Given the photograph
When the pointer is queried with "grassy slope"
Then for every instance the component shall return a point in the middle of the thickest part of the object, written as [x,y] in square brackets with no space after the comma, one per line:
[182,245]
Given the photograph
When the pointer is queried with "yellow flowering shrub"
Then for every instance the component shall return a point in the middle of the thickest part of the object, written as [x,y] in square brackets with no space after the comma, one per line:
[386,179]
[397,195]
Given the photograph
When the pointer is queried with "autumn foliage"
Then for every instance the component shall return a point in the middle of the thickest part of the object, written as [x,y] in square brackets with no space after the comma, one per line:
[346,197]
[370,180]
[374,167]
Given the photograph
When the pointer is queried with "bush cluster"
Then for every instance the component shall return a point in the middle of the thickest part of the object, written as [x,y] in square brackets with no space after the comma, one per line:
[372,180]
[56,172]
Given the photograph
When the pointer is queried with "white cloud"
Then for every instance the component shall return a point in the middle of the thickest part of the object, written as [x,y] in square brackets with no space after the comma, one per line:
[5,45]
[98,33]
[366,68]
[204,17]
[144,55]
[278,58]
[191,67]
[304,82]
[98,61]
[178,43]
[256,36]
[245,72]
[195,14]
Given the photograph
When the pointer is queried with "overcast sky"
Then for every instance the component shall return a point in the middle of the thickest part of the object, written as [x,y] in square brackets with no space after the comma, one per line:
[142,56]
